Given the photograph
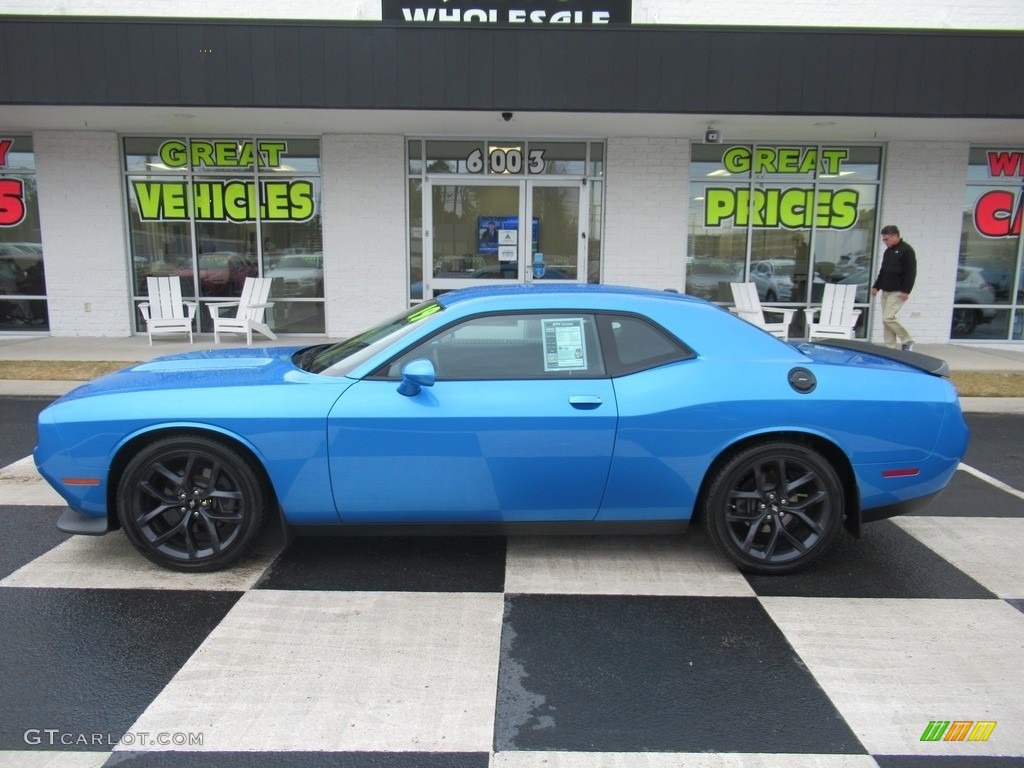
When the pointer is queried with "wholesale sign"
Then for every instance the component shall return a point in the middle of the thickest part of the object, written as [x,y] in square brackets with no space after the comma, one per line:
[521,13]
[230,199]
[12,192]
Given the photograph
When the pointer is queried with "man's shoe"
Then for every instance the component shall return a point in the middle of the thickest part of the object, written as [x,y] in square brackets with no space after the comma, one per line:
[908,346]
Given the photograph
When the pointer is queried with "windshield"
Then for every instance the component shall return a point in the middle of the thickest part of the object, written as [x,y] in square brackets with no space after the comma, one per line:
[338,359]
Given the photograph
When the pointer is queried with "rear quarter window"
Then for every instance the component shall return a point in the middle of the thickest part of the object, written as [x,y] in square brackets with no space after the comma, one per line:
[634,344]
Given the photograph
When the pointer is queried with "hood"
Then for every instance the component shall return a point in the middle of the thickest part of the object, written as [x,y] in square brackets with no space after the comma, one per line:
[193,370]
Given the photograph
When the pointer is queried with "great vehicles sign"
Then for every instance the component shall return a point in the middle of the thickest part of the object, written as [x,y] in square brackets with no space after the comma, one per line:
[224,199]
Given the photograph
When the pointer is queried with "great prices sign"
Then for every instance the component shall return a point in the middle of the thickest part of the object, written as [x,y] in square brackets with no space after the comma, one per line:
[998,212]
[224,199]
[12,192]
[787,207]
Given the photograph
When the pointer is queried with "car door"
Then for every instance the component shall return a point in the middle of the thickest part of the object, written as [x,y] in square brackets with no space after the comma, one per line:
[519,426]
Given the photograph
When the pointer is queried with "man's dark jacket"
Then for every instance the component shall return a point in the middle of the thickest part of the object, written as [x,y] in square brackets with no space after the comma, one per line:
[899,269]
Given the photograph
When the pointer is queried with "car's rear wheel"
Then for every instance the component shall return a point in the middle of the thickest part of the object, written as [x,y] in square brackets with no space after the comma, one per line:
[774,507]
[191,503]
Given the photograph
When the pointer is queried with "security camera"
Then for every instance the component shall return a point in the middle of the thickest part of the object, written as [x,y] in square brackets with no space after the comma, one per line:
[712,136]
[506,116]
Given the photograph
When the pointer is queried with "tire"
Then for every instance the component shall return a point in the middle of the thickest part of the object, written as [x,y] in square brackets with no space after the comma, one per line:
[191,503]
[765,525]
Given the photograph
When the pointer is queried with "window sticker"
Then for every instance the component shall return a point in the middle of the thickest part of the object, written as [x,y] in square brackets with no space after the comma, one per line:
[564,347]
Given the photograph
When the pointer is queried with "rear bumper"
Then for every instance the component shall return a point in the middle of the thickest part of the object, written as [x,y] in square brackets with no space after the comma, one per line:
[899,508]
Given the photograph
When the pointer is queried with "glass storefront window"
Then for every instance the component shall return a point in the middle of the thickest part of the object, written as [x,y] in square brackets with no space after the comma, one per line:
[451,156]
[560,158]
[561,182]
[789,218]
[990,275]
[596,159]
[23,304]
[213,211]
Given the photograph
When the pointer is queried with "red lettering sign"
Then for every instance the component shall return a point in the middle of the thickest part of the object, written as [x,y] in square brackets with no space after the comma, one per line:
[998,213]
[1005,164]
[12,202]
[5,146]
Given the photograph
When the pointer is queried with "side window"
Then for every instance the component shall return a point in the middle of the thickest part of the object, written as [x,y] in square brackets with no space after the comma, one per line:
[633,344]
[515,346]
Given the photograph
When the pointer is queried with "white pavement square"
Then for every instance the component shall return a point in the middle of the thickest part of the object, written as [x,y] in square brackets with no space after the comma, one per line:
[341,671]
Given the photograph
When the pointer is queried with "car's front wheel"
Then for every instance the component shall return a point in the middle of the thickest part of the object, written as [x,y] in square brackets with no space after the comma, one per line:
[191,503]
[774,507]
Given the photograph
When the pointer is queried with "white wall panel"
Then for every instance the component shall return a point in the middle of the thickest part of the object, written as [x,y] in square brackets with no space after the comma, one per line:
[81,206]
[924,197]
[365,261]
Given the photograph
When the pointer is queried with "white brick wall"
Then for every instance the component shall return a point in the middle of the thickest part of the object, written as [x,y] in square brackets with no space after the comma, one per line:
[924,196]
[365,261]
[646,205]
[82,211]
[907,14]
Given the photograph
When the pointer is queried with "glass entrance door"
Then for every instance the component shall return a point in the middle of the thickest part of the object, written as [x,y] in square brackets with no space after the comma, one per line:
[491,231]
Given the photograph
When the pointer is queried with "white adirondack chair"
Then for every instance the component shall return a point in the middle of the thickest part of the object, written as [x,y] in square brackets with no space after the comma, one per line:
[165,312]
[249,311]
[749,307]
[838,317]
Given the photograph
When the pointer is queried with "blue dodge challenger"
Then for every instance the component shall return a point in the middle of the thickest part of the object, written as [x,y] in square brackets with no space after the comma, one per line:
[526,408]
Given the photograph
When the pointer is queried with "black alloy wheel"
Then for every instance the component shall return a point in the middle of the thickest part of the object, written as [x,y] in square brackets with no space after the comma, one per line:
[774,508]
[191,503]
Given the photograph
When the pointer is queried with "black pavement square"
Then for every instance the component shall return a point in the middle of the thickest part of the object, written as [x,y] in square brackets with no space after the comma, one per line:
[399,564]
[948,761]
[89,661]
[970,496]
[885,562]
[679,674]
[299,759]
[27,533]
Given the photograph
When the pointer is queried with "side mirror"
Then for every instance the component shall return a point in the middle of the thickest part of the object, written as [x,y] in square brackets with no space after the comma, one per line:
[415,375]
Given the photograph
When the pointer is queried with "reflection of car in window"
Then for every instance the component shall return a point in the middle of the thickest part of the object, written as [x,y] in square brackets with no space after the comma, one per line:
[774,279]
[703,278]
[298,275]
[221,273]
[971,288]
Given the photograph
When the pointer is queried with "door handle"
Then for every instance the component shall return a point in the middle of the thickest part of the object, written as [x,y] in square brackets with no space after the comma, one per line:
[585,402]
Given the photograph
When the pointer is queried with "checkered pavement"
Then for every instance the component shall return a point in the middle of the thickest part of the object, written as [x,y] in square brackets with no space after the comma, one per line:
[562,652]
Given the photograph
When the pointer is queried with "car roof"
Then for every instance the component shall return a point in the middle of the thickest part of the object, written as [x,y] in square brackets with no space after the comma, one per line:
[556,289]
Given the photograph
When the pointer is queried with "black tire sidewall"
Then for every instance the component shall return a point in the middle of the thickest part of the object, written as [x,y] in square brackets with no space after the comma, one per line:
[248,481]
[726,478]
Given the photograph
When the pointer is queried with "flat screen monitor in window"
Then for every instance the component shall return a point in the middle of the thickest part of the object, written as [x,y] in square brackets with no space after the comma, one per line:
[489,229]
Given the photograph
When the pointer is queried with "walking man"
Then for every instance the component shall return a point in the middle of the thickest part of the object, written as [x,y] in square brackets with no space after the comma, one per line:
[895,280]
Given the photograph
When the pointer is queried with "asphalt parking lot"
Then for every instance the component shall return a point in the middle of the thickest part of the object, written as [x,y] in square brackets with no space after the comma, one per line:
[571,652]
